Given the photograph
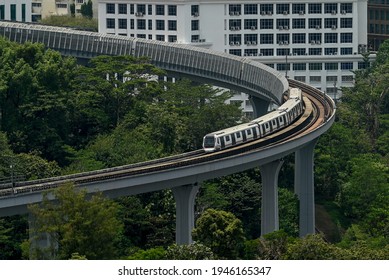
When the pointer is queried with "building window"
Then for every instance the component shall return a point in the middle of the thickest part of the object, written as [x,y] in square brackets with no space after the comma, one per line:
[331,51]
[141,9]
[195,11]
[315,66]
[63,6]
[235,24]
[172,25]
[267,52]
[346,8]
[314,8]
[314,23]
[122,23]
[283,39]
[299,51]
[282,9]
[298,9]
[34,18]
[266,24]
[346,23]
[345,51]
[195,38]
[266,9]
[141,23]
[250,9]
[251,24]
[251,52]
[150,24]
[298,23]
[195,25]
[172,10]
[122,9]
[330,38]
[160,37]
[132,9]
[160,10]
[283,23]
[314,38]
[300,78]
[235,39]
[346,66]
[362,65]
[314,51]
[110,23]
[299,66]
[250,39]
[160,25]
[142,36]
[331,66]
[331,23]
[331,8]
[110,8]
[235,52]
[315,79]
[283,66]
[283,52]
[331,78]
[346,37]
[132,23]
[234,9]
[299,38]
[347,78]
[266,39]
[149,10]
[172,38]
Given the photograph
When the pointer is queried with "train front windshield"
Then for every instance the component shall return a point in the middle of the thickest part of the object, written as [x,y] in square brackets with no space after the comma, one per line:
[209,142]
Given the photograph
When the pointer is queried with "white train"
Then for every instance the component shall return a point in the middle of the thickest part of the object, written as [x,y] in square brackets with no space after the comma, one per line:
[284,115]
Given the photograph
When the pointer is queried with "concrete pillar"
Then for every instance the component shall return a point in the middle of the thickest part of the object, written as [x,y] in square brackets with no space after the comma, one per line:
[42,245]
[185,199]
[269,210]
[260,106]
[304,187]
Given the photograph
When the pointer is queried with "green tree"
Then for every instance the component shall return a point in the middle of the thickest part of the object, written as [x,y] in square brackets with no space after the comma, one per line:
[87,9]
[220,231]
[75,224]
[194,251]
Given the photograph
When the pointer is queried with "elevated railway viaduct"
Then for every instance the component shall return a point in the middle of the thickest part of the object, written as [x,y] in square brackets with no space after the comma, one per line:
[184,173]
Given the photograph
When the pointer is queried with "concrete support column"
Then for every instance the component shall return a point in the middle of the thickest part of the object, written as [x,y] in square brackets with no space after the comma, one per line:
[304,187]
[42,246]
[260,106]
[269,210]
[185,199]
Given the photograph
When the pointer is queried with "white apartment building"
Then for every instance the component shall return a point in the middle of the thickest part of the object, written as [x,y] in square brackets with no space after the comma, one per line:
[15,10]
[35,10]
[315,41]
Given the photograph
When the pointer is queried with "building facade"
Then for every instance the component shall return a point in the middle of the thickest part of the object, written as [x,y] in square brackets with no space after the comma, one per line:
[15,10]
[318,42]
[378,23]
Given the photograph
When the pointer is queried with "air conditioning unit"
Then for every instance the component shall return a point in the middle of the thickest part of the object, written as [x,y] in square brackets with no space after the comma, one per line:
[269,13]
[253,28]
[335,53]
[301,12]
[202,40]
[263,13]
[294,53]
[285,12]
[139,14]
[260,54]
[251,54]
[313,42]
[237,43]
[318,42]
[232,28]
[232,43]
[286,27]
[253,42]
[280,27]
[280,42]
[237,28]
[232,13]
[248,43]
[333,27]
[343,12]
[286,43]
[237,13]
[317,27]
[333,13]
[196,14]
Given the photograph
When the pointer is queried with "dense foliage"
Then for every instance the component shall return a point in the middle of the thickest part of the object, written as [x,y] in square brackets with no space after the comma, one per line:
[58,117]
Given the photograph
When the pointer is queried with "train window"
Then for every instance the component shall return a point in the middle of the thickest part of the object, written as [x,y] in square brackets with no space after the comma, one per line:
[238,135]
[228,138]
[248,131]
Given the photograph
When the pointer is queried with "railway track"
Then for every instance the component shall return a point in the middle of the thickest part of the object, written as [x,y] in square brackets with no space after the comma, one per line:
[316,112]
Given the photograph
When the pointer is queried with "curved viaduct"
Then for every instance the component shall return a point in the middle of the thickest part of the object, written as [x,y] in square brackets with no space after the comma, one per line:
[264,84]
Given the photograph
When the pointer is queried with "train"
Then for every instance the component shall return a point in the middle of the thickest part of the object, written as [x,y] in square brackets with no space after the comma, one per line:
[258,128]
